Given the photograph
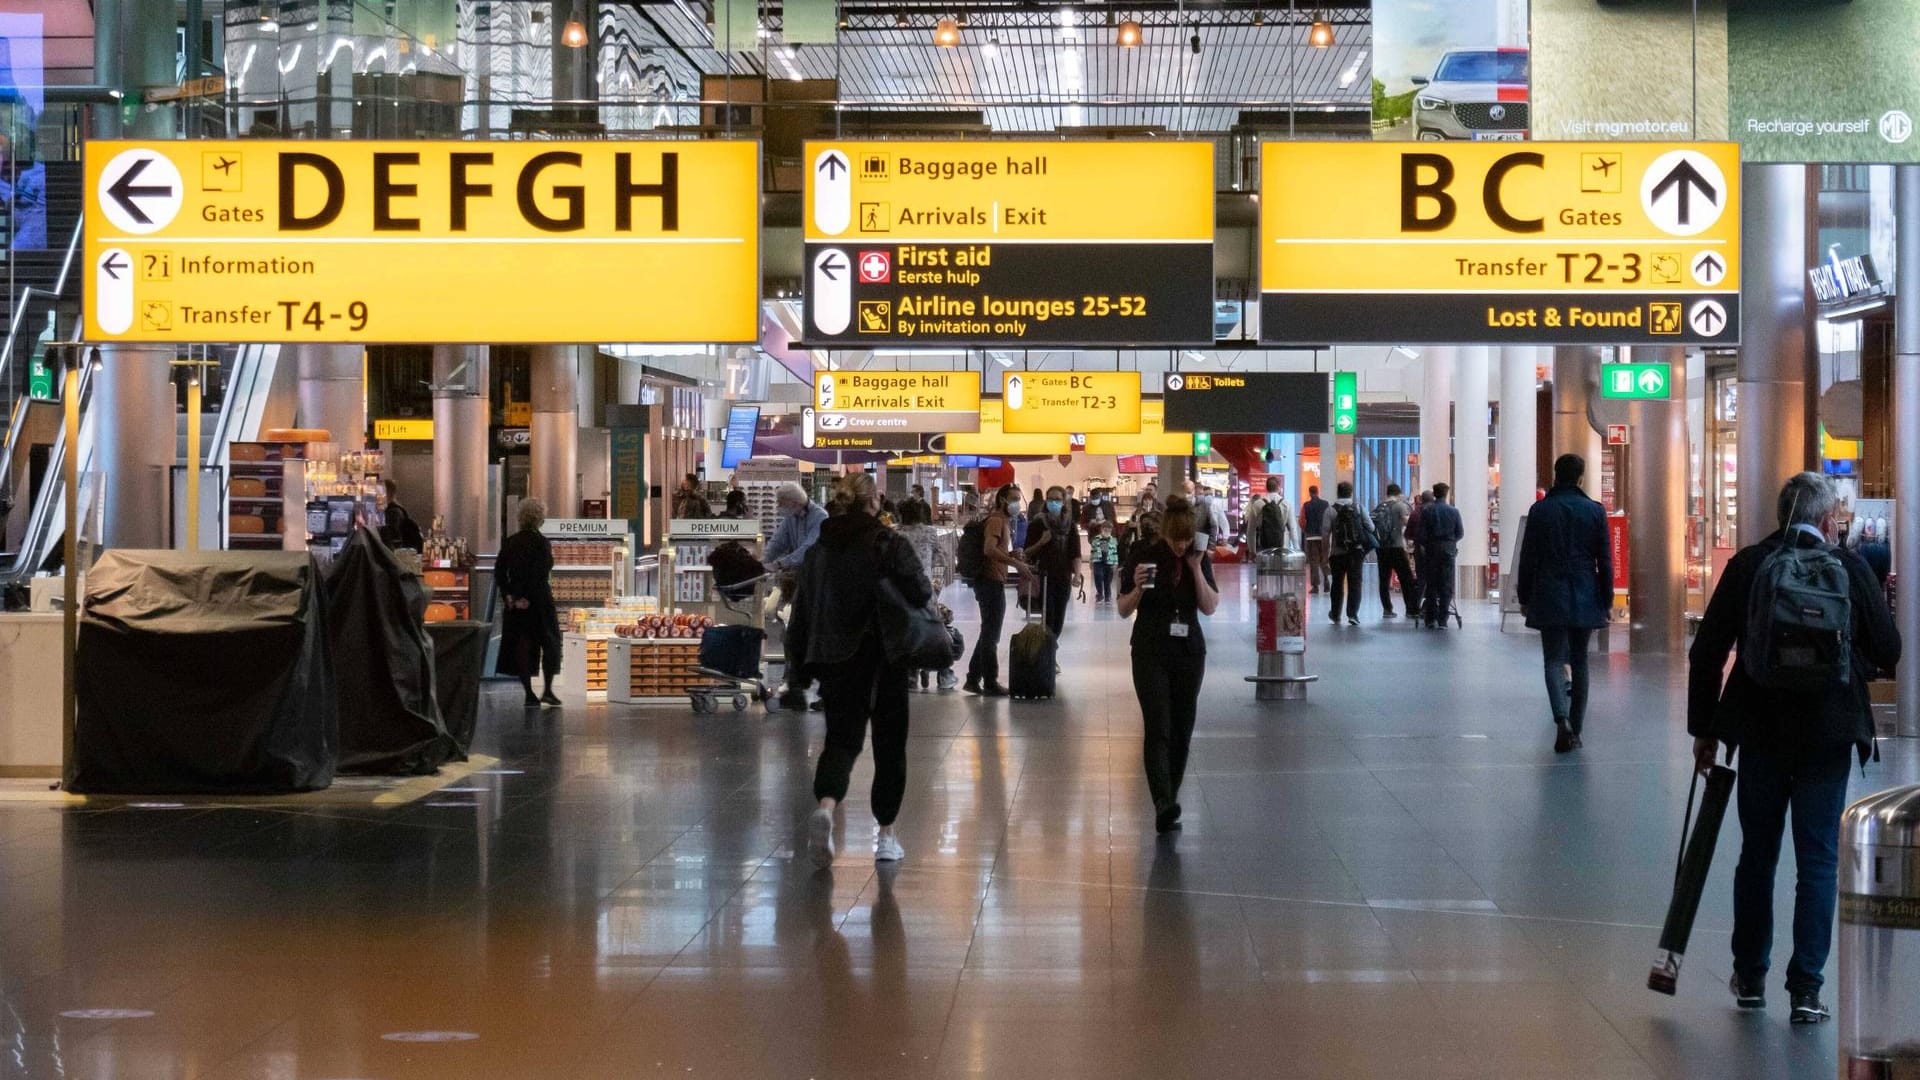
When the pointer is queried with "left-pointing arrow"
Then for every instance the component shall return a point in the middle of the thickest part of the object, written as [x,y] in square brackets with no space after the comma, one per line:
[112,265]
[125,192]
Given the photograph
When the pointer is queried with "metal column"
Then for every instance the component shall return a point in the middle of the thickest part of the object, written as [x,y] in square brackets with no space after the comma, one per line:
[1906,442]
[332,393]
[1519,447]
[1436,399]
[135,426]
[1470,468]
[1574,369]
[460,404]
[1657,511]
[554,476]
[1776,345]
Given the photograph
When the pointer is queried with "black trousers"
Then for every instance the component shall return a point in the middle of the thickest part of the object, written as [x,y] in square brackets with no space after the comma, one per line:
[1394,561]
[1436,589]
[992,598]
[856,692]
[1169,690]
[1058,593]
[1345,572]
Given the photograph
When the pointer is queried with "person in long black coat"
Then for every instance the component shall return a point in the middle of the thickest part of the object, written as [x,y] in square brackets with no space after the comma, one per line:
[1565,586]
[530,630]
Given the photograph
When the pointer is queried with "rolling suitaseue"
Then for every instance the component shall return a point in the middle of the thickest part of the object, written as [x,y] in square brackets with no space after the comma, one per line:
[1032,656]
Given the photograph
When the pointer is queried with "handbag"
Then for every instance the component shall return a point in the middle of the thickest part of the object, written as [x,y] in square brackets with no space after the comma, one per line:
[913,637]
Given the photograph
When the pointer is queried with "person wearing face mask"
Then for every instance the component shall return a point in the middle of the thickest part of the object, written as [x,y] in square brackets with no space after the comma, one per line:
[1168,583]
[990,592]
[1053,548]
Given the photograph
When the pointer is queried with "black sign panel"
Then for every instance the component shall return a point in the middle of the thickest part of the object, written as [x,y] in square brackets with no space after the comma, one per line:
[1250,404]
[1010,295]
[1304,318]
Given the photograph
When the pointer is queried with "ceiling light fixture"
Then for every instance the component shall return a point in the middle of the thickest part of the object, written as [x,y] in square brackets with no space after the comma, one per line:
[1128,35]
[1320,36]
[1259,17]
[991,50]
[1194,44]
[900,21]
[946,33]
[574,36]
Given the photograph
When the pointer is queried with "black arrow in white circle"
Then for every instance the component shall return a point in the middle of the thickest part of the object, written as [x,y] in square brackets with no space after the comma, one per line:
[1684,180]
[1707,317]
[1708,268]
[831,266]
[833,164]
[111,265]
[125,192]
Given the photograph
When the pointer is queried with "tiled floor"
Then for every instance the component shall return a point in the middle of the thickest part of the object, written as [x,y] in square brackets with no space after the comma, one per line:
[1395,879]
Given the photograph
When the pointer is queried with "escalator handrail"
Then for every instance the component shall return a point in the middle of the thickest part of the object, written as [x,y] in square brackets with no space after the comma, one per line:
[27,293]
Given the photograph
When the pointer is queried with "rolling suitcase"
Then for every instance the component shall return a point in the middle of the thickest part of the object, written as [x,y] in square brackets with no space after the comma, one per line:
[1690,878]
[1032,656]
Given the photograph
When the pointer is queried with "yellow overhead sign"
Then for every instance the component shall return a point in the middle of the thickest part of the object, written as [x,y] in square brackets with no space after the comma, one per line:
[324,241]
[403,429]
[1531,243]
[897,391]
[993,440]
[1153,437]
[1010,191]
[1074,402]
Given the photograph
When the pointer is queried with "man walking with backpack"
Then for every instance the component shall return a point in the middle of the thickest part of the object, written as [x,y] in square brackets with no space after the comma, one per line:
[1812,626]
[1269,520]
[1349,537]
[1390,527]
[1441,531]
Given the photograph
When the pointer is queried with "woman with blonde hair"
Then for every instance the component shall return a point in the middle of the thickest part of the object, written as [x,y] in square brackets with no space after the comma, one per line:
[835,635]
[1168,583]
[530,630]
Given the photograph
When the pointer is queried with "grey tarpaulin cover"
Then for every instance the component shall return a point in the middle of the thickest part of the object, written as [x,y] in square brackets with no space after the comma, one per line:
[459,656]
[389,718]
[204,671]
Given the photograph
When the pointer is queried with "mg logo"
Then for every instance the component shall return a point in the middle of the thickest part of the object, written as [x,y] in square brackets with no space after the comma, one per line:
[1896,126]
[1498,112]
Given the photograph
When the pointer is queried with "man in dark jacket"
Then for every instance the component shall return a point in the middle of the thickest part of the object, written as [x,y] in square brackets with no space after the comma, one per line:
[1565,586]
[1440,533]
[1796,748]
[1313,523]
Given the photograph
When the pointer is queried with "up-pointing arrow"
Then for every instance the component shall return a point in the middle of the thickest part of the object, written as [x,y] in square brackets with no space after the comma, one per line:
[125,192]
[1711,266]
[1685,178]
[1651,381]
[833,164]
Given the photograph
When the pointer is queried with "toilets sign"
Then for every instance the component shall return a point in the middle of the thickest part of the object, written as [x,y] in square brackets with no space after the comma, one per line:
[446,242]
[1616,243]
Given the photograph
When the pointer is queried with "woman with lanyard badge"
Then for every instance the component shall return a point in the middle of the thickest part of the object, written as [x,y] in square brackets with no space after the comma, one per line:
[1169,582]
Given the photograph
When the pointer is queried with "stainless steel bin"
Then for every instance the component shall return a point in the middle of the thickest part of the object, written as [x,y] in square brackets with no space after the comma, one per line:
[1880,937]
[1280,636]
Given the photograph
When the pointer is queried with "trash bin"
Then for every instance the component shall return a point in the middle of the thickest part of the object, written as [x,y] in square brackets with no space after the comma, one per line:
[1880,937]
[1280,637]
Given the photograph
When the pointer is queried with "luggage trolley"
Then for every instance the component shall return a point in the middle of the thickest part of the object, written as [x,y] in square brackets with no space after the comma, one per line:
[707,574]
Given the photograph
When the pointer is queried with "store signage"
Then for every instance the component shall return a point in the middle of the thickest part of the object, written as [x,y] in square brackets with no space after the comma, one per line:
[993,440]
[1635,382]
[1153,437]
[1254,403]
[860,431]
[743,424]
[1476,243]
[1346,402]
[207,86]
[1083,402]
[714,528]
[1849,286]
[270,241]
[398,430]
[1010,243]
[1618,435]
[897,401]
[584,528]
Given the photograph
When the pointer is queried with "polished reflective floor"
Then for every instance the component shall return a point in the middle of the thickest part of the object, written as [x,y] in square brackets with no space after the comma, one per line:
[1396,878]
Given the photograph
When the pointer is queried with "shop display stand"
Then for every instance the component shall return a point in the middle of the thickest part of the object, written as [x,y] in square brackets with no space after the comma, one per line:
[652,671]
[761,478]
[687,580]
[587,556]
[265,494]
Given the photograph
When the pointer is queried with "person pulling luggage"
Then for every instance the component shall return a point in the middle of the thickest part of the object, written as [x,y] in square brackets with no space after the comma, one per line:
[1168,584]
[1812,625]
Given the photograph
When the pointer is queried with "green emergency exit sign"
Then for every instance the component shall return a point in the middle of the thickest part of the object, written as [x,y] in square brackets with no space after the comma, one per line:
[1635,382]
[1346,402]
[1202,443]
[40,379]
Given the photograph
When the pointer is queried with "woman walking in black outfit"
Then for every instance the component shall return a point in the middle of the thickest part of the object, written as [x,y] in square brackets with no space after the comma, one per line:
[1169,583]
[530,630]
[835,632]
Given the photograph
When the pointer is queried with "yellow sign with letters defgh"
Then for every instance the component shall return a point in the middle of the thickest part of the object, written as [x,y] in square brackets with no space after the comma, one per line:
[442,242]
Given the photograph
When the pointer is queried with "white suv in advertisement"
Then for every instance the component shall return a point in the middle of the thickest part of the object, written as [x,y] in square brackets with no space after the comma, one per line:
[1474,94]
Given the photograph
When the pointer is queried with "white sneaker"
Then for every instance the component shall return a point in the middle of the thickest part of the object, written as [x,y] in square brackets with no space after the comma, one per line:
[887,849]
[820,837]
[948,680]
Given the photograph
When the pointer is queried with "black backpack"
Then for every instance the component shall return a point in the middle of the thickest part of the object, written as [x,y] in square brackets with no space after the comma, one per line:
[1799,633]
[970,555]
[1350,531]
[1273,526]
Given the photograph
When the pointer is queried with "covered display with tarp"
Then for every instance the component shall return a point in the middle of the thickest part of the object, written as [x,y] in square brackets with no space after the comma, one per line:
[204,672]
[390,720]
[459,656]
